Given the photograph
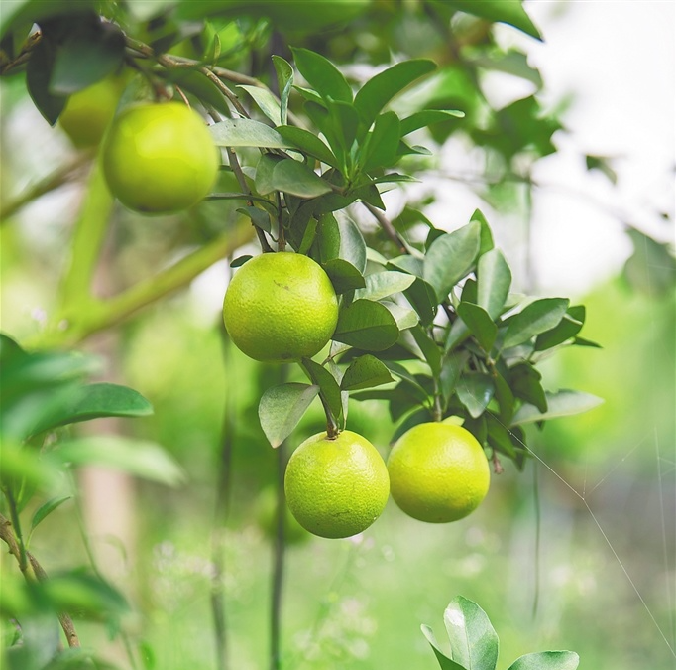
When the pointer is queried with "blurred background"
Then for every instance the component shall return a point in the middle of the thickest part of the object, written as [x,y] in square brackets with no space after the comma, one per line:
[576,552]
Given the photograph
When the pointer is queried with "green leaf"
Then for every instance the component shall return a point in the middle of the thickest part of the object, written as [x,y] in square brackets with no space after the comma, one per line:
[38,76]
[266,102]
[344,120]
[405,318]
[341,239]
[344,275]
[505,397]
[498,436]
[285,79]
[445,663]
[259,217]
[486,236]
[562,403]
[264,173]
[513,62]
[497,11]
[421,415]
[381,88]
[651,268]
[525,382]
[329,388]
[45,510]
[480,324]
[366,325]
[322,75]
[365,372]
[281,407]
[247,133]
[290,176]
[450,373]
[474,643]
[493,282]
[426,118]
[450,258]
[197,83]
[143,459]
[380,147]
[547,660]
[570,325]
[383,284]
[475,391]
[421,296]
[309,144]
[429,348]
[92,401]
[536,318]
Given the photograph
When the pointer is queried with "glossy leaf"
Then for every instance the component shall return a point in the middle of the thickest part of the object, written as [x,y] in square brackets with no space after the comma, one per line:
[486,236]
[380,149]
[445,663]
[45,510]
[537,317]
[450,258]
[365,372]
[309,144]
[493,282]
[281,408]
[474,642]
[322,75]
[381,285]
[562,403]
[547,660]
[344,275]
[450,373]
[285,79]
[344,120]
[38,76]
[247,133]
[329,388]
[341,239]
[366,325]
[266,102]
[480,324]
[143,459]
[426,118]
[570,325]
[525,382]
[475,390]
[405,318]
[381,88]
[429,348]
[290,176]
[498,11]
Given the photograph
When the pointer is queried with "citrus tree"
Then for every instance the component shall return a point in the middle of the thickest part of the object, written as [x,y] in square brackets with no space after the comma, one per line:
[240,120]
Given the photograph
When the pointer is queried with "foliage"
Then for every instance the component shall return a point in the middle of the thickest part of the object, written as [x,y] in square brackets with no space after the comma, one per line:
[474,643]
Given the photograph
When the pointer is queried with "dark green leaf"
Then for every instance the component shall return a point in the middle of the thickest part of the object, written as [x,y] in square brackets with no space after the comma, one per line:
[259,217]
[266,102]
[365,372]
[452,366]
[282,407]
[264,173]
[45,510]
[285,79]
[290,176]
[498,11]
[506,400]
[474,643]
[422,298]
[469,292]
[341,239]
[498,436]
[380,147]
[143,459]
[405,318]
[450,258]
[570,325]
[247,133]
[240,260]
[366,325]
[344,275]
[426,118]
[525,382]
[547,660]
[537,317]
[345,120]
[445,663]
[486,236]
[475,391]
[381,88]
[38,76]
[429,348]
[322,75]
[479,323]
[493,282]
[329,388]
[309,144]
[561,403]
[380,285]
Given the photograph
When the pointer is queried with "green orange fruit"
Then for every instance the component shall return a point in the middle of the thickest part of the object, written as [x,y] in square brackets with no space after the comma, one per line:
[336,487]
[438,472]
[280,307]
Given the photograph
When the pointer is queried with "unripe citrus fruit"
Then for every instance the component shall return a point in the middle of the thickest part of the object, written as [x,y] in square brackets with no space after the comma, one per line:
[88,112]
[159,157]
[438,472]
[280,307]
[336,487]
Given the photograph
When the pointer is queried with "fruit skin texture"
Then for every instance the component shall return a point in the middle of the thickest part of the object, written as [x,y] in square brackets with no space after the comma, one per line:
[159,157]
[280,307]
[336,488]
[88,112]
[438,472]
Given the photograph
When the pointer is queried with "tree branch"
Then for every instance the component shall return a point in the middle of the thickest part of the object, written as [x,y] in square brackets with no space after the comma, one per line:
[388,227]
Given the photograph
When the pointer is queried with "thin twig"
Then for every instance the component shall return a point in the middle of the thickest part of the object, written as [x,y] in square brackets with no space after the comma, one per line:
[388,227]
[36,572]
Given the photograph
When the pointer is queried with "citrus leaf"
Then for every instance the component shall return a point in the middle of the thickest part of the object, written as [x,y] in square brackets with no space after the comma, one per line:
[45,510]
[405,318]
[381,88]
[452,366]
[525,382]
[329,388]
[281,407]
[474,643]
[426,118]
[290,176]
[309,144]
[38,76]
[570,325]
[450,258]
[143,459]
[266,102]
[285,79]
[475,391]
[561,403]
[322,75]
[341,239]
[429,348]
[498,11]
[366,325]
[264,173]
[445,663]
[380,147]
[480,324]
[380,285]
[247,133]
[547,660]
[493,282]
[365,372]
[537,317]
[344,275]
